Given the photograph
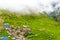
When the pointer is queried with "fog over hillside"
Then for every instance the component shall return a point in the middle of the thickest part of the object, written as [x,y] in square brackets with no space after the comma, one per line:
[25,5]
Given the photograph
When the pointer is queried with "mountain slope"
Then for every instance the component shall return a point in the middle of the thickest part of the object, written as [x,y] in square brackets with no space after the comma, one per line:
[43,27]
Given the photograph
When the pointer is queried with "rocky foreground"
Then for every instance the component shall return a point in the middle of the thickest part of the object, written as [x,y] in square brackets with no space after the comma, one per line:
[17,33]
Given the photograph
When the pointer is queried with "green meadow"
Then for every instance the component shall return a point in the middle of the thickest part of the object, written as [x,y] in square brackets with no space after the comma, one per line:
[42,26]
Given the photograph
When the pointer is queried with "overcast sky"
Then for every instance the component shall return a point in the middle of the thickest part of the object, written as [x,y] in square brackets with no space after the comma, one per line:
[24,5]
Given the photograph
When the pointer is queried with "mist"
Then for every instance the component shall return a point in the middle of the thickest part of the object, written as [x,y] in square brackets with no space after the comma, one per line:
[26,5]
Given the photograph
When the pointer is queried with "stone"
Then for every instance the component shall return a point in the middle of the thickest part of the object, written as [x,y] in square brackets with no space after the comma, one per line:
[18,33]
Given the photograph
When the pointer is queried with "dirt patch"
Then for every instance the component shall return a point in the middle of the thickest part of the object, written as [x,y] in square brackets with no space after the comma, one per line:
[1,27]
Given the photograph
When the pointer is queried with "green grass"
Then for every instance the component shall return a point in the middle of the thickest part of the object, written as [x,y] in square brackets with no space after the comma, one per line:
[43,27]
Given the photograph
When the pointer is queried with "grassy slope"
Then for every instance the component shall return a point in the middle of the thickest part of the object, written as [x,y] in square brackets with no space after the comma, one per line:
[43,28]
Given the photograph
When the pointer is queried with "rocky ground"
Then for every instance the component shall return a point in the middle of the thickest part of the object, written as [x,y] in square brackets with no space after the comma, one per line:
[17,33]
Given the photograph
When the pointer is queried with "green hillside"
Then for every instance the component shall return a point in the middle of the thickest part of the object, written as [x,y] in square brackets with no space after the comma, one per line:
[43,27]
